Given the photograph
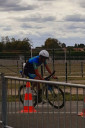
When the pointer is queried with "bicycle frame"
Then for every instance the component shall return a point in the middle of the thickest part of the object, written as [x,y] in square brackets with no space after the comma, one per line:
[47,90]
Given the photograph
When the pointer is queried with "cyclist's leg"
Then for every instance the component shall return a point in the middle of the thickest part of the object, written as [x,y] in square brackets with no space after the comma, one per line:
[33,76]
[39,91]
[37,86]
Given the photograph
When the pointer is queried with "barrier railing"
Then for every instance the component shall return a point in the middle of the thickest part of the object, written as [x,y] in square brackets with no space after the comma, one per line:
[0,101]
[44,114]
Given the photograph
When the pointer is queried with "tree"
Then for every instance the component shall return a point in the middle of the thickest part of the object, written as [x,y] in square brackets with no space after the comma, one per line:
[52,43]
[3,40]
[70,48]
[1,46]
[8,46]
[76,46]
[23,45]
[13,44]
[7,39]
[81,45]
[63,45]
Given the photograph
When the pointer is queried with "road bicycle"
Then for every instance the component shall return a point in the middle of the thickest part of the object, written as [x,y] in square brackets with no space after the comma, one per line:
[48,92]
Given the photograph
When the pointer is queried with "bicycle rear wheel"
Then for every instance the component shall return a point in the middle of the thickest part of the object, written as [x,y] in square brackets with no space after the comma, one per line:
[21,93]
[55,96]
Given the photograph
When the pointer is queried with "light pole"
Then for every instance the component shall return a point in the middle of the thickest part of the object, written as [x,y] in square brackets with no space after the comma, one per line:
[31,45]
[65,56]
[31,51]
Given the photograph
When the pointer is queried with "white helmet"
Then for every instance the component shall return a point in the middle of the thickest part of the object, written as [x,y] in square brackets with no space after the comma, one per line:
[44,53]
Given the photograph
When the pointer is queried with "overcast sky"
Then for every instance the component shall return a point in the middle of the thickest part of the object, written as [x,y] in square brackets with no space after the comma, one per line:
[41,19]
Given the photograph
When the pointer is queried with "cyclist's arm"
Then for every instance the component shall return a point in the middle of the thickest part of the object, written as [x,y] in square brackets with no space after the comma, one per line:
[48,69]
[36,71]
[38,74]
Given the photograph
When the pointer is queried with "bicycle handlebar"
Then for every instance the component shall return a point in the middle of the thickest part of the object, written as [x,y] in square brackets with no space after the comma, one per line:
[47,78]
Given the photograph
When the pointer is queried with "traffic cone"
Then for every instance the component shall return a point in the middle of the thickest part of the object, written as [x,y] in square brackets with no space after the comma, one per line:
[82,114]
[28,105]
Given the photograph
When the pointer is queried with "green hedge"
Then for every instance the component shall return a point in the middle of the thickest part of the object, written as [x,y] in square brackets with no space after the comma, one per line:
[58,55]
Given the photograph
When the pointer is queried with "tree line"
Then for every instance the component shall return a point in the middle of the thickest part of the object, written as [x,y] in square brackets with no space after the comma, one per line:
[12,44]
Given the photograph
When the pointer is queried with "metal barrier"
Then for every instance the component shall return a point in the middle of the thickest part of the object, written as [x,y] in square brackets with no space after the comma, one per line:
[45,115]
[0,101]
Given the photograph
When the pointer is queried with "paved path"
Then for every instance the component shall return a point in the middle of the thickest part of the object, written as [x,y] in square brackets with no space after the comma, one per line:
[46,116]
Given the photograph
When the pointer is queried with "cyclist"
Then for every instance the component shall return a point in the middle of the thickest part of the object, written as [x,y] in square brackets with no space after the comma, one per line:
[31,67]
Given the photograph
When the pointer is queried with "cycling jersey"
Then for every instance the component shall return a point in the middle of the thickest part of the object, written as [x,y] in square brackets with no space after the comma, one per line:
[32,64]
[35,62]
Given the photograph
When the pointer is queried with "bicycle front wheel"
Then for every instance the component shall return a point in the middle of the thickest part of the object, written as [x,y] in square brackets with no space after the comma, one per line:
[55,96]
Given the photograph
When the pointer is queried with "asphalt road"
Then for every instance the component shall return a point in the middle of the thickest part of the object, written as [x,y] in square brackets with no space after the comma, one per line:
[46,116]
